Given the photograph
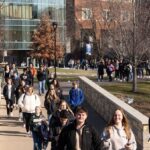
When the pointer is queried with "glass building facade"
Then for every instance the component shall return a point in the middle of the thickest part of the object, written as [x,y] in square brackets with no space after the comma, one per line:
[19,18]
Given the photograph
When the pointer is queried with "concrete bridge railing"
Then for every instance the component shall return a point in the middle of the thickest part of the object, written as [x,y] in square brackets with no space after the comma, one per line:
[105,104]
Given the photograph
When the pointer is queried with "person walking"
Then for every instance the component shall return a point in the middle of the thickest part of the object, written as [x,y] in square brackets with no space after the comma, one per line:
[28,102]
[9,94]
[51,101]
[25,76]
[56,127]
[62,105]
[58,89]
[21,89]
[118,134]
[35,124]
[100,70]
[6,74]
[76,96]
[41,76]
[32,72]
[78,135]
[13,70]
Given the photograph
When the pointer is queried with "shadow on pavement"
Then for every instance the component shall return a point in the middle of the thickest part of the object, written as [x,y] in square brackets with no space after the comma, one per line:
[12,133]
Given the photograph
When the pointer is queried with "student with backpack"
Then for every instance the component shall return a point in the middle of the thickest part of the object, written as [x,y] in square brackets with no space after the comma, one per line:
[28,103]
[35,125]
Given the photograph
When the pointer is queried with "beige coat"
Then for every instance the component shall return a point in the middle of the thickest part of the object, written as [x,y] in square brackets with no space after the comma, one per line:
[117,140]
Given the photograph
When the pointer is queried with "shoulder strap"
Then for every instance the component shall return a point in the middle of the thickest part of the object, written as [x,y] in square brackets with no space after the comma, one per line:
[24,96]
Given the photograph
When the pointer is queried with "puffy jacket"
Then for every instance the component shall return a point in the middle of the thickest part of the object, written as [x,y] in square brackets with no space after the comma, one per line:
[67,139]
[29,102]
[76,97]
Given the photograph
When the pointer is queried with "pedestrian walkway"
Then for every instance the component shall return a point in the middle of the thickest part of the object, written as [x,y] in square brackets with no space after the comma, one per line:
[13,135]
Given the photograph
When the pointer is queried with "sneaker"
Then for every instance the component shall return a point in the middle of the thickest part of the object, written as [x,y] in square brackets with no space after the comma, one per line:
[11,114]
[29,133]
[20,119]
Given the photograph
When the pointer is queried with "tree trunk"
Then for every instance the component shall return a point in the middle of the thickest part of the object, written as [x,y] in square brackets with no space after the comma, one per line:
[134,83]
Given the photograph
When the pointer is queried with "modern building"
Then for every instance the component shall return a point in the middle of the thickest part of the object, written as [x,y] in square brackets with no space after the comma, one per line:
[18,20]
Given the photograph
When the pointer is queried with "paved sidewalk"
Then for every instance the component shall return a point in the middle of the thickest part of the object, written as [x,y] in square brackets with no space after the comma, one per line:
[13,136]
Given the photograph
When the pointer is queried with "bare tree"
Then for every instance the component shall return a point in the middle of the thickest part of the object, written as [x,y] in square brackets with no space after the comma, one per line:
[124,28]
[131,36]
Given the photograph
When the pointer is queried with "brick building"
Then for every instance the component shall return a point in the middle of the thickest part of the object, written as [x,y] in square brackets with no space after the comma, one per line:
[88,22]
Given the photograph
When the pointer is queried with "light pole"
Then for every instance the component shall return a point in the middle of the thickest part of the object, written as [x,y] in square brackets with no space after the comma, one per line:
[55,28]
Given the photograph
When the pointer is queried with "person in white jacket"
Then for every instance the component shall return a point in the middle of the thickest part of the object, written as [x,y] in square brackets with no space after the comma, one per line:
[118,134]
[28,102]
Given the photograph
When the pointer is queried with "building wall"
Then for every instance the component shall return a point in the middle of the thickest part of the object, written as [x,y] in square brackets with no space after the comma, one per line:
[21,17]
[92,18]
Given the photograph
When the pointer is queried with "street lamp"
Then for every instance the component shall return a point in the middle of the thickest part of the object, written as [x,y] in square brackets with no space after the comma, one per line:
[55,28]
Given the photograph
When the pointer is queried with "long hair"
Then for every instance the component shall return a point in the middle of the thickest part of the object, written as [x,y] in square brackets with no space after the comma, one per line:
[50,97]
[67,106]
[125,123]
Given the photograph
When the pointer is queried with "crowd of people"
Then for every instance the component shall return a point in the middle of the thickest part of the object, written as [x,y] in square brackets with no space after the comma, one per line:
[121,70]
[65,125]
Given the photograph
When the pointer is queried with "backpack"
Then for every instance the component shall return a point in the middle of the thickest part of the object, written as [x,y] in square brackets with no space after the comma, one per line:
[44,131]
[25,96]
[44,134]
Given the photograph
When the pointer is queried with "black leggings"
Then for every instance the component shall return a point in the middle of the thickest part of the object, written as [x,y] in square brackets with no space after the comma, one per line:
[9,106]
[27,118]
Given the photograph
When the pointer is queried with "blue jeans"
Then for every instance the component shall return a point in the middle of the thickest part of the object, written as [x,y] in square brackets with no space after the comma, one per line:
[42,87]
[37,141]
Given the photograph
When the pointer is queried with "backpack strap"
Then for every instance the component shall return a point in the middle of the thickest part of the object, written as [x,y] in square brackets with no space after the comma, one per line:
[24,96]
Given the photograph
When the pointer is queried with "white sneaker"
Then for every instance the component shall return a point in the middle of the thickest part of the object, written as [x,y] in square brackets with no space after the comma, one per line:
[11,114]
[29,133]
[20,119]
[24,125]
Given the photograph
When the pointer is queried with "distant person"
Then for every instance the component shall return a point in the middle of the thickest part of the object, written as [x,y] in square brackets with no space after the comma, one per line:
[15,79]
[118,134]
[50,80]
[71,136]
[76,96]
[9,94]
[25,76]
[6,72]
[13,70]
[32,72]
[100,70]
[28,102]
[41,76]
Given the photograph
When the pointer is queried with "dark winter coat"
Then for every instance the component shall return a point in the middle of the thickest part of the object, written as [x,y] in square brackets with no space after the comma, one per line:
[41,75]
[55,129]
[5,93]
[26,77]
[90,139]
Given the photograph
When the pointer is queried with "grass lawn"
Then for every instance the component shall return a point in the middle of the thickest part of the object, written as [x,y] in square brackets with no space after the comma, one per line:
[124,90]
[70,71]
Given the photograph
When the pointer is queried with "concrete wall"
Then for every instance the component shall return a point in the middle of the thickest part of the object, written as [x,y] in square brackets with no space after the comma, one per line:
[105,104]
